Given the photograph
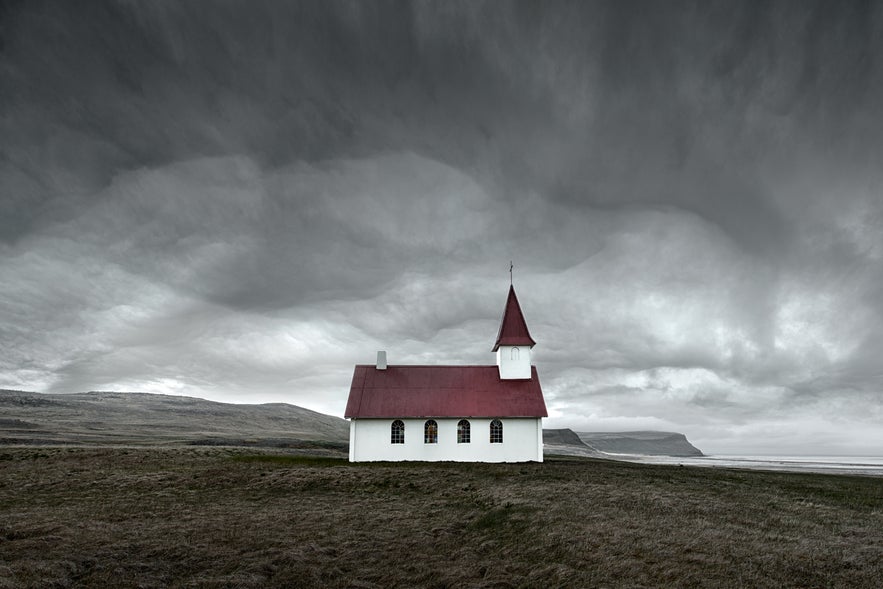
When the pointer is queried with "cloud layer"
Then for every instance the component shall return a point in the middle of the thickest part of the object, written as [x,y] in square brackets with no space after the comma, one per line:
[241,201]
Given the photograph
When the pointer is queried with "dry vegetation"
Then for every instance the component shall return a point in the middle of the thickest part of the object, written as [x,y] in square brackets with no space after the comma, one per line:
[218,517]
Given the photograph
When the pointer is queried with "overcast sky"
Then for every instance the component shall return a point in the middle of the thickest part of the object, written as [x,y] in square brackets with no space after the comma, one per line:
[240,201]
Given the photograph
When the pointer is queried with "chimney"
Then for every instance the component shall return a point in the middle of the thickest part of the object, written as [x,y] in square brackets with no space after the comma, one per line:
[381,360]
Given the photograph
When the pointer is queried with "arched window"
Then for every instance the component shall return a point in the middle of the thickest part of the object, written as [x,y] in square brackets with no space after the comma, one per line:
[463,432]
[430,432]
[397,432]
[513,354]
[496,432]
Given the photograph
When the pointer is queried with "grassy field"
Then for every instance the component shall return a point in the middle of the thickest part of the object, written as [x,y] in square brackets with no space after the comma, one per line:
[218,517]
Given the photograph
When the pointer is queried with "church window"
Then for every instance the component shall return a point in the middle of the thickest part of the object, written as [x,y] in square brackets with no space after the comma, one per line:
[430,432]
[463,432]
[397,432]
[513,354]
[496,432]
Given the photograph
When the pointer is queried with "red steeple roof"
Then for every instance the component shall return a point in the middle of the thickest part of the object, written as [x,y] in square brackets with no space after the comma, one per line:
[513,329]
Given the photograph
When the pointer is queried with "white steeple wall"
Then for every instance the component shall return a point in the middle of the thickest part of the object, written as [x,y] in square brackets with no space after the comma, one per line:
[513,362]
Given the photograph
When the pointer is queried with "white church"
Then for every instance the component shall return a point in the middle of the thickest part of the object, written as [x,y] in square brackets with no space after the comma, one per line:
[460,413]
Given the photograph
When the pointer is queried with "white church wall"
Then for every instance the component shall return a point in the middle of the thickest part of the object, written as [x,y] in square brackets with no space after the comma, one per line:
[522,441]
[513,362]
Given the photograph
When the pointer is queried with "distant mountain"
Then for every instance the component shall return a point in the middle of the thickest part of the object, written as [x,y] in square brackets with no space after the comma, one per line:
[565,442]
[647,443]
[144,418]
[151,419]
[605,444]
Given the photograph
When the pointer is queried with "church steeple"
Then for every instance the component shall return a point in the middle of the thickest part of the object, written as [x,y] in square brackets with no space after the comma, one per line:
[513,341]
[513,328]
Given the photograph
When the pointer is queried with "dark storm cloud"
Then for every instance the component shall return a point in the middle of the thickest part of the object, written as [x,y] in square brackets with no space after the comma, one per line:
[241,201]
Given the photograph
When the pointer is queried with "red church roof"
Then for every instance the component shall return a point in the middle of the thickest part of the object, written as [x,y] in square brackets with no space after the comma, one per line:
[513,329]
[442,391]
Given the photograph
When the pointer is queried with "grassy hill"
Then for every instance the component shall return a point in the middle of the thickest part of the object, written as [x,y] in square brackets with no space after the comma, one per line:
[126,490]
[226,517]
[142,418]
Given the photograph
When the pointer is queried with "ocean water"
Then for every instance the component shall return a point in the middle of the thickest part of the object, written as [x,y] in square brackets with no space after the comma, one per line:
[861,465]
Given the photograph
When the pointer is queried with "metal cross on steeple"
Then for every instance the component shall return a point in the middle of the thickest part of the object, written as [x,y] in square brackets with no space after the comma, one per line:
[510,272]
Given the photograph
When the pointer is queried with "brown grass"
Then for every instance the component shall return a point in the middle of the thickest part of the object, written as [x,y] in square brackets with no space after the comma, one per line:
[216,517]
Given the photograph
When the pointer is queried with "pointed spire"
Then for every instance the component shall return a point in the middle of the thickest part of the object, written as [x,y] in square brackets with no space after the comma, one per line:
[513,328]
